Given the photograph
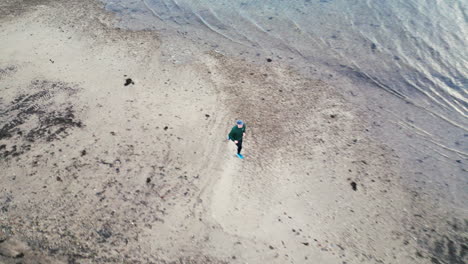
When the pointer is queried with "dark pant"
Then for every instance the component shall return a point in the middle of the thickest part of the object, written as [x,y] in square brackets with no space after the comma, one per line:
[239,146]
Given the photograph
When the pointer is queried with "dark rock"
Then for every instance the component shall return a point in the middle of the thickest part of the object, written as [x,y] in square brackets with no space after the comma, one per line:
[354,186]
[269,60]
[129,81]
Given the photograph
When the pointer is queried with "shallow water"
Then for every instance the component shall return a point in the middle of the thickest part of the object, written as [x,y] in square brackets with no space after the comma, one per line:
[413,50]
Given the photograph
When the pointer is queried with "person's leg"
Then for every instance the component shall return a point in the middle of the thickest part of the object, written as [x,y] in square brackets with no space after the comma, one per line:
[239,147]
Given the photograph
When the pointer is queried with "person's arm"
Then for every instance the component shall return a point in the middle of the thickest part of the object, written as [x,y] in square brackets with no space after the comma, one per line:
[231,134]
[243,130]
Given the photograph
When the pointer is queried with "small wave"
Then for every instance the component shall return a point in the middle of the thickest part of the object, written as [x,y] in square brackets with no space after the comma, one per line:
[425,135]
[210,21]
[152,10]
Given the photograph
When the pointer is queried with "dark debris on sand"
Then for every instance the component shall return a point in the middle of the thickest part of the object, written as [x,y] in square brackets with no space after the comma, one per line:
[37,117]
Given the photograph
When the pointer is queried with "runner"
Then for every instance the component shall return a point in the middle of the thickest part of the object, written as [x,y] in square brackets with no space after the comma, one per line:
[237,133]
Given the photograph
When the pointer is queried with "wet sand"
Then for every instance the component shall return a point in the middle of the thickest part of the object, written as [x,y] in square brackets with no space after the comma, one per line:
[113,150]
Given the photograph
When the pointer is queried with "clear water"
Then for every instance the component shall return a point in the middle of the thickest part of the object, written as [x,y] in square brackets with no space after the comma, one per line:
[413,52]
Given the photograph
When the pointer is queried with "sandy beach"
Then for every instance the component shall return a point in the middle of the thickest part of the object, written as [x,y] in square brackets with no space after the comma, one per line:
[113,150]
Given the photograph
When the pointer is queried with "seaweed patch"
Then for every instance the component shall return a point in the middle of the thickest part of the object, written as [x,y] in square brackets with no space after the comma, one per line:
[45,114]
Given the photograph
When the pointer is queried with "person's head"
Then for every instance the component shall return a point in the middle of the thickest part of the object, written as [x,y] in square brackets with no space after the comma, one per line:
[240,123]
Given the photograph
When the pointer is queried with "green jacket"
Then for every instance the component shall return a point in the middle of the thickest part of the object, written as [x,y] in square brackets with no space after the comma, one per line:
[237,133]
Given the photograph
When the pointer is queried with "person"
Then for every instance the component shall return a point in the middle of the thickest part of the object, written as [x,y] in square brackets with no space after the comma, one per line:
[236,135]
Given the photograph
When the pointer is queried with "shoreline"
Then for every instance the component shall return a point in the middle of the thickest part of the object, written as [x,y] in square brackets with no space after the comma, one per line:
[96,171]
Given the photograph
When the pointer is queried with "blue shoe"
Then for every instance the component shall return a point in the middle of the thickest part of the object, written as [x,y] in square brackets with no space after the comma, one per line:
[240,156]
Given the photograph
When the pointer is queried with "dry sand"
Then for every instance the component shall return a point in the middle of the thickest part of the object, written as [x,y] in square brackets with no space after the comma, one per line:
[95,171]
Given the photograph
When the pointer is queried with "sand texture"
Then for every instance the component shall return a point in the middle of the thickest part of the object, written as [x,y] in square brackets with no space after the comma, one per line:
[113,150]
